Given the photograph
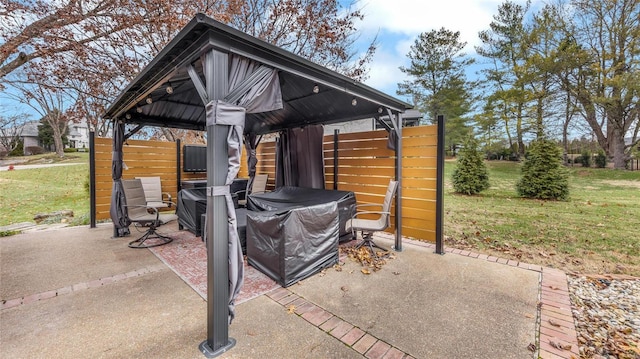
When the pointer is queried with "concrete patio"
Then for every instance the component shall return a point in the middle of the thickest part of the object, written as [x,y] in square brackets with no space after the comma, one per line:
[76,292]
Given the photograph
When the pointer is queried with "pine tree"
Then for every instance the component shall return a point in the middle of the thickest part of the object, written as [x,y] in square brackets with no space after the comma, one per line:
[543,176]
[471,175]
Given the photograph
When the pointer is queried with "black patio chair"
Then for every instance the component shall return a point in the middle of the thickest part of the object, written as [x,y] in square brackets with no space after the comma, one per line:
[143,215]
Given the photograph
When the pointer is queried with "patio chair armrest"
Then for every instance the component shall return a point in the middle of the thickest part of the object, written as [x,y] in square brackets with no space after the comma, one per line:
[369,212]
[168,199]
[378,205]
[170,203]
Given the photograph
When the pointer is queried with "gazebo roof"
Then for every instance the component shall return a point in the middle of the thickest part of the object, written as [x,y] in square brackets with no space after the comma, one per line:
[183,108]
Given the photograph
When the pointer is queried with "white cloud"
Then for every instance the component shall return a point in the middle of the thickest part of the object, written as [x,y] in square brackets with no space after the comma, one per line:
[384,72]
[399,22]
[411,17]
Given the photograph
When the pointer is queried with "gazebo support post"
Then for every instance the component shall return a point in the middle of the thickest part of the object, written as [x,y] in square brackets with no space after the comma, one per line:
[336,138]
[397,120]
[216,83]
[178,167]
[440,187]
[92,178]
[396,125]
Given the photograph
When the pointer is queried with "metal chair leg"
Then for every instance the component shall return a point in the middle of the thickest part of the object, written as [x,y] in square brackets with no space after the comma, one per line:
[151,233]
[367,239]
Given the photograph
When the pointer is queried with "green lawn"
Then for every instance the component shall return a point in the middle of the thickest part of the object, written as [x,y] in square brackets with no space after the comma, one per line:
[596,230]
[26,192]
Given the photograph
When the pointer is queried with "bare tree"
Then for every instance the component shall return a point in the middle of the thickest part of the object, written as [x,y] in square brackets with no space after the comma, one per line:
[11,129]
[52,104]
[94,48]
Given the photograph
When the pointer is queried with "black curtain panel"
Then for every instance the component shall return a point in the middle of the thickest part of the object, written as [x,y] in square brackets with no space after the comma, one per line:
[118,210]
[300,157]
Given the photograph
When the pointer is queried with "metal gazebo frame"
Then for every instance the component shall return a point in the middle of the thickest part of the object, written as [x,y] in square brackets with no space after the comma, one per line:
[193,70]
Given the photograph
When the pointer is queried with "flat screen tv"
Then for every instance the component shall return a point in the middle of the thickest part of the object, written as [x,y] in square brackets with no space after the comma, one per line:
[194,158]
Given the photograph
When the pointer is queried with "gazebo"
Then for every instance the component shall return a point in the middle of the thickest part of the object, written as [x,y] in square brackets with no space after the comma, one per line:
[212,77]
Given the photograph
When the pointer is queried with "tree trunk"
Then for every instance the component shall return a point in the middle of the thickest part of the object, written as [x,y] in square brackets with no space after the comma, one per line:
[519,131]
[540,119]
[506,126]
[57,141]
[617,142]
[565,128]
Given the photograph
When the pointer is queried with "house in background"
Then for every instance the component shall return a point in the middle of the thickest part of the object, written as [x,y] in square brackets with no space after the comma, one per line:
[410,118]
[29,136]
[78,136]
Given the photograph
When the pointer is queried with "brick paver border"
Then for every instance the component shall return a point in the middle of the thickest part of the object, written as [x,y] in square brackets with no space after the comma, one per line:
[11,303]
[352,336]
[557,338]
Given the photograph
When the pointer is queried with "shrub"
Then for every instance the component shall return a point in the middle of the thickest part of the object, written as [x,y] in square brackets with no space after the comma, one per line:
[470,175]
[70,150]
[543,175]
[34,150]
[601,159]
[8,233]
[585,159]
[19,150]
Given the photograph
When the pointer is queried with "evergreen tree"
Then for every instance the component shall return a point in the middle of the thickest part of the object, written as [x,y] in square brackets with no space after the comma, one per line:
[438,84]
[471,175]
[543,175]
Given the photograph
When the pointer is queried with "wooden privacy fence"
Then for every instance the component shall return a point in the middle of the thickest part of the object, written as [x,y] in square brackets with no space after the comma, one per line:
[364,165]
[141,159]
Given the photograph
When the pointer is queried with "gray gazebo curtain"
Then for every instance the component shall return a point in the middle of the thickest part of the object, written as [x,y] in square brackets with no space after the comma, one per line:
[252,88]
[251,142]
[118,208]
[300,157]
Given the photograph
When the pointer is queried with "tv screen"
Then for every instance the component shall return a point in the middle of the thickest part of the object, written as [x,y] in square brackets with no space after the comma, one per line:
[194,158]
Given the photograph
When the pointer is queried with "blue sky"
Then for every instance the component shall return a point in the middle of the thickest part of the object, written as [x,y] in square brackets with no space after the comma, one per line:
[399,22]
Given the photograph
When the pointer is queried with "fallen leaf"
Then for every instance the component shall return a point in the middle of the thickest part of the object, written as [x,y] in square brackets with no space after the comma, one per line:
[344,288]
[554,323]
[291,309]
[529,315]
[396,273]
[559,345]
[365,271]
[553,287]
[532,347]
[627,348]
